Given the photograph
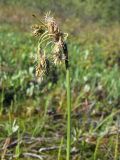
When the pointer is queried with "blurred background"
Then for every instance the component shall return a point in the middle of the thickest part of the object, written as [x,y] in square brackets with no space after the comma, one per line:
[94,49]
[93,28]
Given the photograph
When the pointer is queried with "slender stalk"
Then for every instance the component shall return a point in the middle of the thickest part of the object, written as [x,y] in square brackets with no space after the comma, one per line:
[60,149]
[116,147]
[39,20]
[65,50]
[117,140]
[96,148]
[68,114]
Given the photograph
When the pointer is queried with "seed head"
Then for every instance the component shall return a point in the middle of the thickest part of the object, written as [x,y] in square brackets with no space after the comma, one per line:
[58,58]
[38,30]
[43,67]
[51,24]
[49,34]
[58,55]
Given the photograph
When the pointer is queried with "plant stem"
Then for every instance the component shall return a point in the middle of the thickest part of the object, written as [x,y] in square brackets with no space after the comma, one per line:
[116,147]
[68,114]
[96,148]
[60,149]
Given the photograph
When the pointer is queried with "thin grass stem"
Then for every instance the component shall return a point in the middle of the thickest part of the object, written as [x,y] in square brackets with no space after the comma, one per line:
[60,149]
[96,148]
[68,115]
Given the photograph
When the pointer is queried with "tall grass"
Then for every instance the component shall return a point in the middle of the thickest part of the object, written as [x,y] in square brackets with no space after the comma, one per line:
[49,33]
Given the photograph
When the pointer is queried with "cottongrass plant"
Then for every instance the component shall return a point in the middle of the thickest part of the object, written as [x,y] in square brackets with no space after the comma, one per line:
[49,34]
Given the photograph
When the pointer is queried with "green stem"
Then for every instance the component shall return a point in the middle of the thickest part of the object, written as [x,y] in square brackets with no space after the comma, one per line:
[68,114]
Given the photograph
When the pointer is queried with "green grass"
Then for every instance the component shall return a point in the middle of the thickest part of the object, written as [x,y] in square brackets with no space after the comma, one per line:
[29,110]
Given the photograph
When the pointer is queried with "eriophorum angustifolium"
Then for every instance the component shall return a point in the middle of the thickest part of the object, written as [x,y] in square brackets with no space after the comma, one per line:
[49,35]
